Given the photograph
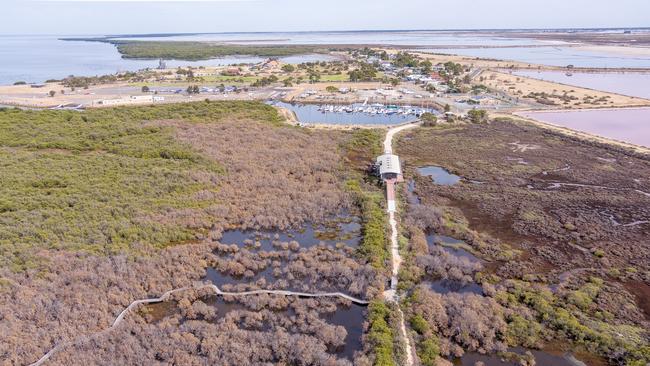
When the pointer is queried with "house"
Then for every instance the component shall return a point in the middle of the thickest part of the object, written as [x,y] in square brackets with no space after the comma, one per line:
[389,167]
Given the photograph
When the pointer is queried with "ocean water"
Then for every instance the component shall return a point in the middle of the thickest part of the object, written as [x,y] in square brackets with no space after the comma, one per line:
[35,59]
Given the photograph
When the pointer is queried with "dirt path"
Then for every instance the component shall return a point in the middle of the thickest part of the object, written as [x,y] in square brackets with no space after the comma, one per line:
[396,258]
[166,296]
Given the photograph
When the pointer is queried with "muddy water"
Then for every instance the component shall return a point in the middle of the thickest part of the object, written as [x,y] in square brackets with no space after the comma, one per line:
[631,84]
[631,125]
[439,175]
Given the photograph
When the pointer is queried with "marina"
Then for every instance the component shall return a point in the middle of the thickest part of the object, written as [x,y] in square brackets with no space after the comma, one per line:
[355,114]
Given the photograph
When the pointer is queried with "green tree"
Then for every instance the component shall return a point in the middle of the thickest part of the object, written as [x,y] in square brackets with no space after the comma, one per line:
[331,89]
[288,82]
[477,115]
[429,119]
[426,66]
[428,352]
[288,68]
[145,89]
[52,93]
[314,77]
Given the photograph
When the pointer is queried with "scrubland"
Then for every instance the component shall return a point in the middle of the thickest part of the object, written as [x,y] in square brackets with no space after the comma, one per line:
[104,207]
[561,228]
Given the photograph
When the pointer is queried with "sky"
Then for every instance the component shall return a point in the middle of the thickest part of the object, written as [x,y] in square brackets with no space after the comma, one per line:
[95,17]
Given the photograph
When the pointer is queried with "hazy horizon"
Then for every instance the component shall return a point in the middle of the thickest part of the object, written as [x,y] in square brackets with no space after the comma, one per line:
[116,17]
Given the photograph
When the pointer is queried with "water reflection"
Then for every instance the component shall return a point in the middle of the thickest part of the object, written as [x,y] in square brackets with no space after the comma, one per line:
[439,175]
[341,231]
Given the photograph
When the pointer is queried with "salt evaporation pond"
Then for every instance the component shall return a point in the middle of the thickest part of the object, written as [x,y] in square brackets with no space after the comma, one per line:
[439,175]
[312,113]
[630,84]
[553,56]
[631,125]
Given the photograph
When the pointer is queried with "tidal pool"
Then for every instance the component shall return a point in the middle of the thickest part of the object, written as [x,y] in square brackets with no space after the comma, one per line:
[631,125]
[439,175]
[630,84]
